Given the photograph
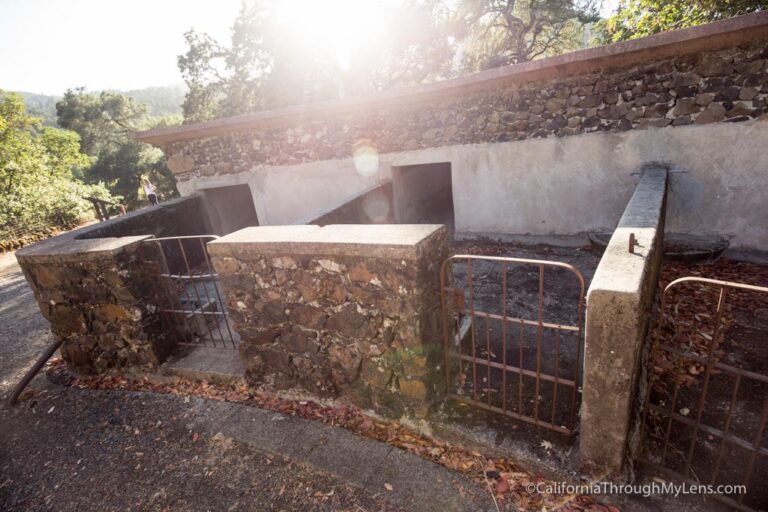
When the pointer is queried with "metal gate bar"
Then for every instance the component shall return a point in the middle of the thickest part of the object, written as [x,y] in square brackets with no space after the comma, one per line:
[454,306]
[195,311]
[672,416]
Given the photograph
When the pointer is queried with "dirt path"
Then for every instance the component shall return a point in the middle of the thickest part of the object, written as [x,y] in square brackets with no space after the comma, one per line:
[24,333]
[77,450]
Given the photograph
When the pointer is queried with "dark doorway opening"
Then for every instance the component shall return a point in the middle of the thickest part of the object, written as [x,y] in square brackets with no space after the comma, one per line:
[424,194]
[230,208]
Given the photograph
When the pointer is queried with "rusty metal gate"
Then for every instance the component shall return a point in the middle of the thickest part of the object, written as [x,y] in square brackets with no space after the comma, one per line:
[190,295]
[706,405]
[512,344]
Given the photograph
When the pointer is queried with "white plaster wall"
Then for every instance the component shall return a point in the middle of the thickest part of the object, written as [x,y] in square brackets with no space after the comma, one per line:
[555,186]
[292,194]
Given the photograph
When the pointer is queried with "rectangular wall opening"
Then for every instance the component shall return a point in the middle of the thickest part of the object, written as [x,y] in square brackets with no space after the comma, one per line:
[230,208]
[424,194]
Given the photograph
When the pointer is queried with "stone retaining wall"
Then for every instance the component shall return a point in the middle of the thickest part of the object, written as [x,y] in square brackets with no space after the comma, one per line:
[98,286]
[717,86]
[98,297]
[340,310]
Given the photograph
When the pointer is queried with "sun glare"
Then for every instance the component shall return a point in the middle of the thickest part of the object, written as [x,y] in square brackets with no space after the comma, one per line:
[345,25]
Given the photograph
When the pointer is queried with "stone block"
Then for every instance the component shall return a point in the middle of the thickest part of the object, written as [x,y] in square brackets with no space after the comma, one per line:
[349,322]
[308,316]
[94,292]
[413,389]
[347,292]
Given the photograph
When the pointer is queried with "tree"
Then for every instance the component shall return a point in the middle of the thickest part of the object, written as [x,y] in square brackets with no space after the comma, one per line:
[104,122]
[37,171]
[502,32]
[265,67]
[639,18]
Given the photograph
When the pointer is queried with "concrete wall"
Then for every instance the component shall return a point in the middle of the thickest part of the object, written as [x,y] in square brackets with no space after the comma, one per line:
[294,194]
[374,206]
[177,217]
[553,186]
[618,309]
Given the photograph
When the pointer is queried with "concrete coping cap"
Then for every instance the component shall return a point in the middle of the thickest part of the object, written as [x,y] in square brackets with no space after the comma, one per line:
[70,249]
[363,240]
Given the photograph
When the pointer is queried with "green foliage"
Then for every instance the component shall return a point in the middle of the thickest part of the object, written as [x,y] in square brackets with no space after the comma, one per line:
[37,168]
[639,18]
[160,101]
[104,122]
[501,32]
[42,106]
[164,101]
[265,67]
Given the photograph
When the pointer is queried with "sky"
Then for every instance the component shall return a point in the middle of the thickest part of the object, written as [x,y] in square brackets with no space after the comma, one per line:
[48,46]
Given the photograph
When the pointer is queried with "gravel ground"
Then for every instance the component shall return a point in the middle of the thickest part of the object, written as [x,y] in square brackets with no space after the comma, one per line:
[69,449]
[24,333]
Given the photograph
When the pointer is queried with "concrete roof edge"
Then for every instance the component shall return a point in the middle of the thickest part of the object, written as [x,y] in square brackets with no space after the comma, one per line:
[720,34]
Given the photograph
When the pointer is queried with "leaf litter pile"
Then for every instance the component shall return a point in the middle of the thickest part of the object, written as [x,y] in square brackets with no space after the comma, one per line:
[690,316]
[509,483]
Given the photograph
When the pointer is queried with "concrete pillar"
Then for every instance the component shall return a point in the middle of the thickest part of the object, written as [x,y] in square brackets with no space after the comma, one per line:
[618,301]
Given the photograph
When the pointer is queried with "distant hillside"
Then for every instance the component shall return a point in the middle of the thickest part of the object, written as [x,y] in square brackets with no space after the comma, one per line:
[162,101]
[40,105]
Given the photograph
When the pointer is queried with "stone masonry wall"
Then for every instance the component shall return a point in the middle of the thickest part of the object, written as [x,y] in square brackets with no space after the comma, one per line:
[719,86]
[100,303]
[365,327]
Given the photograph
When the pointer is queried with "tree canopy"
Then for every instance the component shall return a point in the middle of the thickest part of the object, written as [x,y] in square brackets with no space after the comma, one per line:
[104,121]
[640,18]
[38,168]
[502,32]
[264,65]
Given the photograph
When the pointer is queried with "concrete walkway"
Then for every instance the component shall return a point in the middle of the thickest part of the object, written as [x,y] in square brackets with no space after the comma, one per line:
[73,449]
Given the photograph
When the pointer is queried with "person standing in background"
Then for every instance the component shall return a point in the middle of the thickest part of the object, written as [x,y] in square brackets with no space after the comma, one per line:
[149,191]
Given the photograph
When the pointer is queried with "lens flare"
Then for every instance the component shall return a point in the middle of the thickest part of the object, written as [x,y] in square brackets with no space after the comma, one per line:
[366,158]
[343,57]
[376,208]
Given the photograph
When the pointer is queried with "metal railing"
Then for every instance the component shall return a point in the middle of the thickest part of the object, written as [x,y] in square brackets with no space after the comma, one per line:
[102,207]
[192,300]
[687,430]
[523,365]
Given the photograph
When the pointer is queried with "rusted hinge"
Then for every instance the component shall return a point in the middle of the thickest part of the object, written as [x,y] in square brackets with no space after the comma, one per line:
[456,299]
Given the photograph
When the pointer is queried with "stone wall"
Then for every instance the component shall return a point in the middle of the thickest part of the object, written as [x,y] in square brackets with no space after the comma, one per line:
[98,297]
[718,86]
[97,286]
[340,310]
